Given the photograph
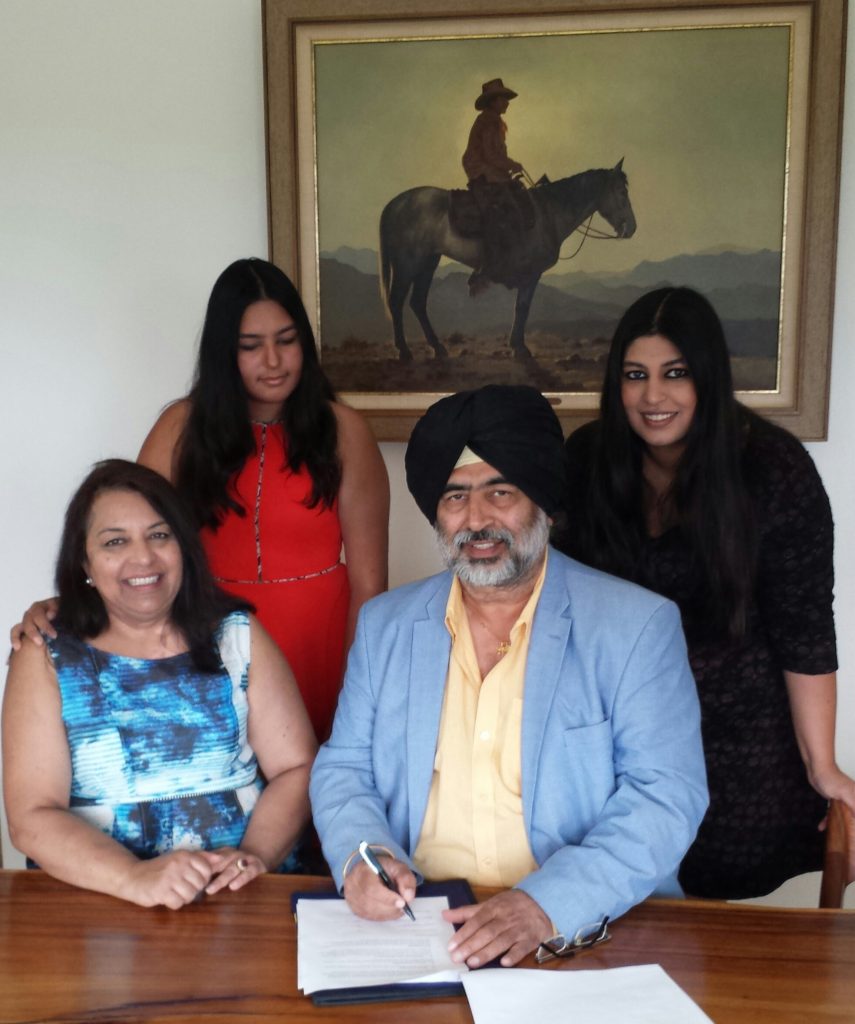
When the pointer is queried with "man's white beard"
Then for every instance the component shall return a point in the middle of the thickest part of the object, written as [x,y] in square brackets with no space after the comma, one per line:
[521,555]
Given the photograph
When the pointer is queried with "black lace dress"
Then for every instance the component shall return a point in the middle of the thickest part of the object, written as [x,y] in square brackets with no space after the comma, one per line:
[761,826]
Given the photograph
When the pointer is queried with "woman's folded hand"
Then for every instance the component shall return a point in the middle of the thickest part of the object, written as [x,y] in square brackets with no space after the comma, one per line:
[171,880]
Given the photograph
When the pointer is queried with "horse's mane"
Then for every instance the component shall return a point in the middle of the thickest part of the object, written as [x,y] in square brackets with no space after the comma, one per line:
[579,186]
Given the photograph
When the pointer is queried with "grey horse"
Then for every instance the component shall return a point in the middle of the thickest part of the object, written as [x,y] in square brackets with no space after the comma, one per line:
[415,231]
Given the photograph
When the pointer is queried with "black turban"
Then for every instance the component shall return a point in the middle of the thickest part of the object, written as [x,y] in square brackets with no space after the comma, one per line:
[510,427]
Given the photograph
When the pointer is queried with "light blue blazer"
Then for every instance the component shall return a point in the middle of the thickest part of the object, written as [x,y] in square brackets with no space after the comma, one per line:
[613,779]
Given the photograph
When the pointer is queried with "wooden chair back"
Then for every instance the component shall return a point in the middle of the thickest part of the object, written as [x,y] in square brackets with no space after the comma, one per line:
[839,867]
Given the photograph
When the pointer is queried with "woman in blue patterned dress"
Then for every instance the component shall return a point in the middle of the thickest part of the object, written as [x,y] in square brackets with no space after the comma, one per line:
[157,748]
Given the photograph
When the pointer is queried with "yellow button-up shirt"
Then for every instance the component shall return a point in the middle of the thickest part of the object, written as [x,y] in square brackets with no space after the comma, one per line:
[473,825]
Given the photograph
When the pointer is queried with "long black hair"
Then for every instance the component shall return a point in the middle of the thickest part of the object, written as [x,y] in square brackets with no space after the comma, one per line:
[199,605]
[709,500]
[218,434]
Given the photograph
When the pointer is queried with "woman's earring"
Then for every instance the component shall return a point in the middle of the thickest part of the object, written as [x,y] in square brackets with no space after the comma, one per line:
[89,581]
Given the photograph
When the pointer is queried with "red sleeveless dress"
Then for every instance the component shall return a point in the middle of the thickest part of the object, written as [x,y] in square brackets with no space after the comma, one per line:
[285,559]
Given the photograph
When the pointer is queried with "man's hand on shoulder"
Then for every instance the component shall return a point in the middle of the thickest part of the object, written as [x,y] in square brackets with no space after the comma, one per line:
[510,923]
[368,897]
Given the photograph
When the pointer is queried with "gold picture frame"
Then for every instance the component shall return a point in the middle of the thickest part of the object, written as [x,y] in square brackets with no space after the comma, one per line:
[807,165]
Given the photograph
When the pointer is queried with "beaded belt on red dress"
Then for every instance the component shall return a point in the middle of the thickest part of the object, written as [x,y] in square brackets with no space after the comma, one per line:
[283,579]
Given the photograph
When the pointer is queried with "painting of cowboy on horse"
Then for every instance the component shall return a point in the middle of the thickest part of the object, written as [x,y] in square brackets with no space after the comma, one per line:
[514,234]
[464,249]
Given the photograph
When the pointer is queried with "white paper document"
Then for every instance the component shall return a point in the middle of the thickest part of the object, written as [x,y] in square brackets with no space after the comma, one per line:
[617,995]
[336,949]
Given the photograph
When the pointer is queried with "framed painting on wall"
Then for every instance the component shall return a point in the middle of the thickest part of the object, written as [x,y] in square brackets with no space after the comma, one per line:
[685,143]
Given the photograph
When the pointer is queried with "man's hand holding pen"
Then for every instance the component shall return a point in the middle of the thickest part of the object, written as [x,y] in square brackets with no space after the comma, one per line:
[368,897]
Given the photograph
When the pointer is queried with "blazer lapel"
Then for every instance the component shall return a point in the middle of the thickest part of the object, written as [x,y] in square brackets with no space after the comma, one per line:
[429,654]
[550,637]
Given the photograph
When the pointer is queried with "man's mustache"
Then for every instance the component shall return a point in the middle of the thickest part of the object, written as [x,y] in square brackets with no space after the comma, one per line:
[474,536]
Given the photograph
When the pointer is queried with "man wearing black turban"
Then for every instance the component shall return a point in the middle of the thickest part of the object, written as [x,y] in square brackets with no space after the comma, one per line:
[513,429]
[503,721]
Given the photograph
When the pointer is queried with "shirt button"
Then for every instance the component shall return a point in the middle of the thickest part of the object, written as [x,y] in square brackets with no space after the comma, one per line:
[485,735]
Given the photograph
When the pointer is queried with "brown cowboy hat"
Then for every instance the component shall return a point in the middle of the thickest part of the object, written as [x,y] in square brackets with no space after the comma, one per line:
[490,90]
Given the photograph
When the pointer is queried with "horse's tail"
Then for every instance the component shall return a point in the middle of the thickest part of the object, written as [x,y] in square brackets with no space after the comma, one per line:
[385,261]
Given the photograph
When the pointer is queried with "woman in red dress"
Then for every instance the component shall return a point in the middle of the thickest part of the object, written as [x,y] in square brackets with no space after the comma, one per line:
[280,477]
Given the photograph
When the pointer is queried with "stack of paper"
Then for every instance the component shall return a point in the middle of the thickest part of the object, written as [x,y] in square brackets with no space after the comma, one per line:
[338,950]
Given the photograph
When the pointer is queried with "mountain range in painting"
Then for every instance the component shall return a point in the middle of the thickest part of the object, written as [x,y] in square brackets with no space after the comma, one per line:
[572,318]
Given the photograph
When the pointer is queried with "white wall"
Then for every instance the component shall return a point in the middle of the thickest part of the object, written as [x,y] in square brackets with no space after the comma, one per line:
[131,172]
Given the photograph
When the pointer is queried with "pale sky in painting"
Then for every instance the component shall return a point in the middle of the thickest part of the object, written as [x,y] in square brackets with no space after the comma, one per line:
[698,115]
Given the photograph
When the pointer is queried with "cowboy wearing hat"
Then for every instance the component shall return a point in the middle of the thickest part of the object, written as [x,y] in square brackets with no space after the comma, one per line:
[486,155]
[500,198]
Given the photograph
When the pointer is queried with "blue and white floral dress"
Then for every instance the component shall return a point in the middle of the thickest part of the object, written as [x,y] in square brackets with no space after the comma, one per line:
[159,751]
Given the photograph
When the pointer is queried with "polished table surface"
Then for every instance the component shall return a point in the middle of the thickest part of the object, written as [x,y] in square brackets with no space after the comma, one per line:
[70,955]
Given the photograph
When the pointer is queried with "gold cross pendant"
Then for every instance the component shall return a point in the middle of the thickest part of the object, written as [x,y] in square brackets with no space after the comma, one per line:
[503,648]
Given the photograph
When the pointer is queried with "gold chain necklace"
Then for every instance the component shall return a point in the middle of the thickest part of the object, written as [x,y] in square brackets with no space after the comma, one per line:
[502,646]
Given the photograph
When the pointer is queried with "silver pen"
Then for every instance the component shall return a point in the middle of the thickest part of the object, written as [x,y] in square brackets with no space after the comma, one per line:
[367,855]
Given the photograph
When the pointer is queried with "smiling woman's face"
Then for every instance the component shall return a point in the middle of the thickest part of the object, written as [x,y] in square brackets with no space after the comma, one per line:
[132,558]
[657,391]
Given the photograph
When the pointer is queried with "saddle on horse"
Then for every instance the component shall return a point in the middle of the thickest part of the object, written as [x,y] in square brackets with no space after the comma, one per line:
[499,214]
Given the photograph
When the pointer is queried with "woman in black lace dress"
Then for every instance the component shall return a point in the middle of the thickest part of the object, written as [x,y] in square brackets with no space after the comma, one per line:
[680,488]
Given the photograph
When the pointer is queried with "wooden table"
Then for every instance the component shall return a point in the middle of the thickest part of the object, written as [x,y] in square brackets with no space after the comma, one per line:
[70,955]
